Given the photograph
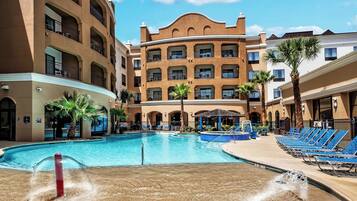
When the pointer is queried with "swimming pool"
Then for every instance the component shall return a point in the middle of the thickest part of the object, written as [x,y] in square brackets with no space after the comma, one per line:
[124,150]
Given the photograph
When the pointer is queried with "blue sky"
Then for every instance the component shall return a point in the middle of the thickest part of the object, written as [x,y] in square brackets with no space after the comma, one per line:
[271,16]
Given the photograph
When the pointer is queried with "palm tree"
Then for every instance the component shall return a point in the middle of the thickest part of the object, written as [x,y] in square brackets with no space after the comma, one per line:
[125,96]
[118,115]
[75,107]
[245,90]
[261,78]
[180,92]
[293,52]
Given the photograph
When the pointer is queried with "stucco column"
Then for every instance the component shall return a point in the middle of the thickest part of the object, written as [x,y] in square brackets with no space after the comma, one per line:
[86,129]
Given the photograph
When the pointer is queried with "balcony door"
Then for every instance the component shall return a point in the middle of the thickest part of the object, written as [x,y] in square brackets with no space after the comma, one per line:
[8,119]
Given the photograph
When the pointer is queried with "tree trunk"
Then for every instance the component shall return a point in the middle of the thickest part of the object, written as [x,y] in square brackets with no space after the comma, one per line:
[182,127]
[248,106]
[72,130]
[297,99]
[264,112]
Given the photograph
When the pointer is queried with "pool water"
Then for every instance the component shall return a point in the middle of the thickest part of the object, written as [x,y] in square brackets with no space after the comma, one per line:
[123,150]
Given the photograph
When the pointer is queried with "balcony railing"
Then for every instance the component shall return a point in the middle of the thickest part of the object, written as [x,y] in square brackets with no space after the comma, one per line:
[155,97]
[204,75]
[55,70]
[154,58]
[177,57]
[204,95]
[97,47]
[153,78]
[229,75]
[97,14]
[206,54]
[228,53]
[177,76]
[53,27]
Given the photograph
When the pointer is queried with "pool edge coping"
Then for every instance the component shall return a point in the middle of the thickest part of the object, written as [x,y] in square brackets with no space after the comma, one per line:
[311,181]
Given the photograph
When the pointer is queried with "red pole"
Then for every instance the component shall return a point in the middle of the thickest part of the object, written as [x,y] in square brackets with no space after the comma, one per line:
[59,175]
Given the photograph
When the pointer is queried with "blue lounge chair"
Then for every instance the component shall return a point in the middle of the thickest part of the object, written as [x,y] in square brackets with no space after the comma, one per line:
[302,141]
[331,145]
[296,151]
[302,136]
[349,151]
[336,163]
[311,140]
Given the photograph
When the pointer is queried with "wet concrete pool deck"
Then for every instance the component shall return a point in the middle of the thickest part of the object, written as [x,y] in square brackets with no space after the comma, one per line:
[266,151]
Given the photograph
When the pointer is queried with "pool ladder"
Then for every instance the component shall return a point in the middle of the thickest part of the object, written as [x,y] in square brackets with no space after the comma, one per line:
[142,154]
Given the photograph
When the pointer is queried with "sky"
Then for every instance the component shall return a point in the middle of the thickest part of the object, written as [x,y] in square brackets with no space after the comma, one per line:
[270,16]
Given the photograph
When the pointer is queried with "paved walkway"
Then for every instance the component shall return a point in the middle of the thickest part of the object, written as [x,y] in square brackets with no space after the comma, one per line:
[266,151]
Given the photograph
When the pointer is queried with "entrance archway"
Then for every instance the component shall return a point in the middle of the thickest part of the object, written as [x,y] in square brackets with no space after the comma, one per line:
[155,120]
[175,120]
[8,119]
[277,119]
[255,118]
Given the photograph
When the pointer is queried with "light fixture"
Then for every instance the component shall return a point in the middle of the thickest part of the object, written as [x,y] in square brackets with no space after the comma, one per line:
[5,87]
[39,89]
[303,108]
[334,101]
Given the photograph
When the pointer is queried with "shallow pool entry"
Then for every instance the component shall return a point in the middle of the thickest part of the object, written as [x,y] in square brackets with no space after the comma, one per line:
[60,178]
[290,184]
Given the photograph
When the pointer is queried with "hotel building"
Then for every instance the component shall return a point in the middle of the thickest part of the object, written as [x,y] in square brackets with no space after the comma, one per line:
[48,48]
[121,65]
[212,58]
[280,105]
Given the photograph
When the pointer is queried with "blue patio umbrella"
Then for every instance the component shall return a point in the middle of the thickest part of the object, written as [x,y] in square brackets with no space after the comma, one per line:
[219,121]
[200,126]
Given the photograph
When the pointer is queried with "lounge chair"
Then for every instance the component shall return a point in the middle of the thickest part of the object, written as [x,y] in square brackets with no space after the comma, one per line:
[301,141]
[331,145]
[302,136]
[349,151]
[336,163]
[310,140]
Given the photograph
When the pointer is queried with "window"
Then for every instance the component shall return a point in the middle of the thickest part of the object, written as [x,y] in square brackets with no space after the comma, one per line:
[137,64]
[228,93]
[277,93]
[123,62]
[50,23]
[330,54]
[123,79]
[137,81]
[279,75]
[50,64]
[251,75]
[228,73]
[254,96]
[253,57]
[355,48]
[137,98]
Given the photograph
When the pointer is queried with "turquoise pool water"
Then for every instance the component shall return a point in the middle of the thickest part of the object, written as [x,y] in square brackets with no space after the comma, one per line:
[123,150]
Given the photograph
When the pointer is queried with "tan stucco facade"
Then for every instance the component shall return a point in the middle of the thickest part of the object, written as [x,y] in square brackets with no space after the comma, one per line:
[67,30]
[187,34]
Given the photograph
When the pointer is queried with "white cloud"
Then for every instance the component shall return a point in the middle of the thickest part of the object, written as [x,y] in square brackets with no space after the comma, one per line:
[280,30]
[133,41]
[254,29]
[197,2]
[353,22]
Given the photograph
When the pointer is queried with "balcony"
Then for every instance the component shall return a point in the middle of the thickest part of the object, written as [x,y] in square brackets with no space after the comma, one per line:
[204,72]
[154,94]
[202,93]
[97,42]
[229,92]
[61,64]
[98,76]
[204,51]
[177,73]
[230,71]
[154,55]
[229,50]
[112,55]
[61,23]
[154,75]
[97,11]
[177,52]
